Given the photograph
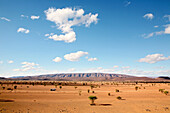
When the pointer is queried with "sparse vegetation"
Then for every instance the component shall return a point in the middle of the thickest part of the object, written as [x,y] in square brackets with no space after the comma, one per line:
[60,87]
[119,97]
[9,89]
[117,90]
[80,93]
[161,90]
[15,87]
[88,90]
[92,98]
[55,85]
[92,86]
[166,92]
[108,94]
[136,88]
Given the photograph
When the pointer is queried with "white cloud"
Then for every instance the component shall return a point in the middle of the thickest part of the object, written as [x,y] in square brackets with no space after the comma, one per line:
[75,56]
[149,16]
[115,66]
[35,17]
[101,70]
[148,36]
[167,29]
[1,62]
[46,34]
[167,16]
[92,59]
[66,18]
[10,61]
[127,3]
[153,58]
[156,26]
[24,16]
[125,67]
[26,66]
[6,19]
[23,30]
[71,70]
[68,37]
[57,59]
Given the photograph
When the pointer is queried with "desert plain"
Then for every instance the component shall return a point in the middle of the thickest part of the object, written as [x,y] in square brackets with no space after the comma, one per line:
[38,98]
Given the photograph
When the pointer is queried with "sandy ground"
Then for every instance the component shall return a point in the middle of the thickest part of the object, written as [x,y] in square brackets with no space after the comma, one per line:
[39,99]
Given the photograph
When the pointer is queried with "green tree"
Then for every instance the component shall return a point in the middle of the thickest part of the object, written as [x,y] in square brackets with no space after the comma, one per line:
[92,98]
[166,92]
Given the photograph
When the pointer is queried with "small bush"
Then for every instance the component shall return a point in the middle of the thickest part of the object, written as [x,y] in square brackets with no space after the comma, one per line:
[108,94]
[9,89]
[60,87]
[27,86]
[92,87]
[92,91]
[15,87]
[3,88]
[75,87]
[88,90]
[136,88]
[117,90]
[161,90]
[119,97]
[55,85]
[80,93]
[166,92]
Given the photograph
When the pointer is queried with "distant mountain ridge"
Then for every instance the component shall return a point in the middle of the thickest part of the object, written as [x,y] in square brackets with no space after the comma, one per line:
[85,77]
[74,76]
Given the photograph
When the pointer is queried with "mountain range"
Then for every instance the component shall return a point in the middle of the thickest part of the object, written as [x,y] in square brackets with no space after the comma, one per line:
[87,77]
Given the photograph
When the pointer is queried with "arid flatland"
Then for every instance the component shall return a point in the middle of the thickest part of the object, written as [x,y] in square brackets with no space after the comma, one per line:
[74,99]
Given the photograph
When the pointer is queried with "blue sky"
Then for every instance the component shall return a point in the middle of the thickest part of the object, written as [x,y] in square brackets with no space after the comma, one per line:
[66,36]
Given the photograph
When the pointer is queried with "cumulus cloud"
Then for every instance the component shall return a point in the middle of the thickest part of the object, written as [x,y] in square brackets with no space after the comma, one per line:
[10,61]
[167,29]
[153,58]
[92,59]
[68,37]
[35,17]
[65,19]
[1,62]
[23,30]
[75,56]
[26,66]
[148,16]
[6,19]
[57,59]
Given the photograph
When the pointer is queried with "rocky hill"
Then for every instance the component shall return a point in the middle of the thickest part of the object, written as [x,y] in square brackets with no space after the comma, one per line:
[86,77]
